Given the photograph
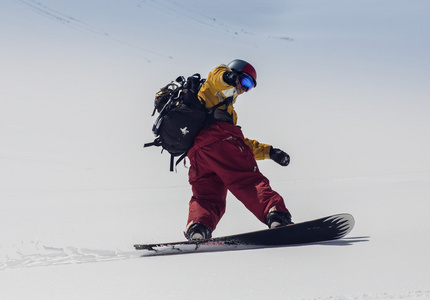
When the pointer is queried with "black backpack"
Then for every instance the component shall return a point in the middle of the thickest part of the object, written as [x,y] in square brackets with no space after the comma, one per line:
[181,116]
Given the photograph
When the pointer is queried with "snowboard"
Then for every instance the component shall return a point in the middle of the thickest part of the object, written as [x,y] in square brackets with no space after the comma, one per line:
[319,230]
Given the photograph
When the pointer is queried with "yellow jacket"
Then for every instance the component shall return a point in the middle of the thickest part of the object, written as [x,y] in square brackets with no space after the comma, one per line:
[216,90]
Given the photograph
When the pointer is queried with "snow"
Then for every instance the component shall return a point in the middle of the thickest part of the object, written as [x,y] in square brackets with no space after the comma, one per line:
[342,87]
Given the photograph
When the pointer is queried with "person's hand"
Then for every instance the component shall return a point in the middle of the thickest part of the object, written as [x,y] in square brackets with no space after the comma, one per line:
[279,156]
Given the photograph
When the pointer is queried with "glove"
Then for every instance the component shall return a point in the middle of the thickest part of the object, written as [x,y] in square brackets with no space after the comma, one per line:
[279,156]
[230,78]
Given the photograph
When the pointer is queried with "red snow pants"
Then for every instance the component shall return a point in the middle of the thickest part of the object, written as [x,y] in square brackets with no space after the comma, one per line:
[220,161]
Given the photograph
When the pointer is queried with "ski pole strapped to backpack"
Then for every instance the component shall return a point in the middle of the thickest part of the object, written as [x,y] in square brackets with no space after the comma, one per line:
[181,116]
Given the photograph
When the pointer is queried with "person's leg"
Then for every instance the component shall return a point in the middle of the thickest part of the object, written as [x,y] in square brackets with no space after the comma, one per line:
[233,161]
[208,202]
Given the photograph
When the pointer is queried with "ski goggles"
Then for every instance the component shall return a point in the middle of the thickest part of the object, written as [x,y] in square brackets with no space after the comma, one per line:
[247,82]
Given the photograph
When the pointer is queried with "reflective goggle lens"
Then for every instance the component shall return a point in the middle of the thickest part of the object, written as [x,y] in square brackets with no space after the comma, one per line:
[247,82]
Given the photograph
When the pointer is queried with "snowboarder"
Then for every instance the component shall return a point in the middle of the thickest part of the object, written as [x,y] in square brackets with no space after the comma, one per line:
[223,159]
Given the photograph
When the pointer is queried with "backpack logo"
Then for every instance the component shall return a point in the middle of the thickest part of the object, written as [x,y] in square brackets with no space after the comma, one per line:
[184,131]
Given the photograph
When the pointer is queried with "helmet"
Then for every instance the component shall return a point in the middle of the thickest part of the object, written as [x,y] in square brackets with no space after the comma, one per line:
[242,66]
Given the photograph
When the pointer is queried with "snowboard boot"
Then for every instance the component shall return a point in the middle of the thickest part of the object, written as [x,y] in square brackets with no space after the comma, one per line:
[277,218]
[198,231]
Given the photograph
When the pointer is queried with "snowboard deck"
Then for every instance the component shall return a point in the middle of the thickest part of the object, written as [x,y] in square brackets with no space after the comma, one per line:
[319,230]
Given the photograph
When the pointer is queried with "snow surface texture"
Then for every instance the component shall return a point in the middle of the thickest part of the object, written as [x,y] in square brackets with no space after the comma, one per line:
[343,87]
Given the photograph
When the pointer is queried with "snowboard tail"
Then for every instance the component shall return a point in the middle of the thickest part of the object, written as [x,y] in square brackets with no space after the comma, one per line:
[323,229]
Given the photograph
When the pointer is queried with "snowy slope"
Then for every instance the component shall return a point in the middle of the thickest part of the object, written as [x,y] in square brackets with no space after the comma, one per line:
[342,87]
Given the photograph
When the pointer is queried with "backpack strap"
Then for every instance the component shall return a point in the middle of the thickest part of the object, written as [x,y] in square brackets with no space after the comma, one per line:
[226,102]
[181,158]
[156,142]
[215,114]
[172,161]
